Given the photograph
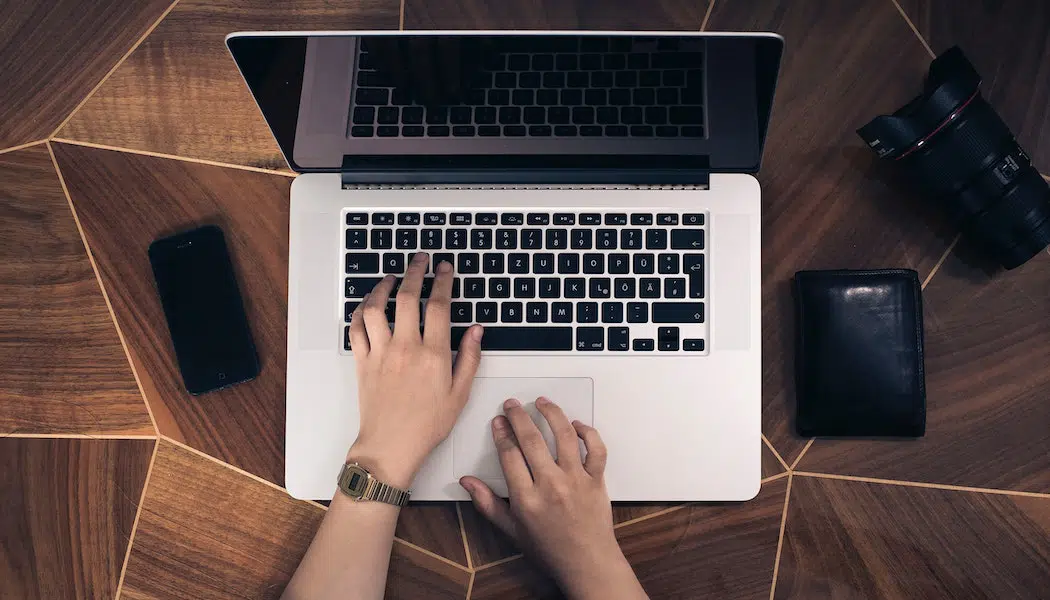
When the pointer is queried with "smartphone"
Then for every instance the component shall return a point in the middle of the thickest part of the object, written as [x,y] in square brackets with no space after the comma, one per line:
[203,307]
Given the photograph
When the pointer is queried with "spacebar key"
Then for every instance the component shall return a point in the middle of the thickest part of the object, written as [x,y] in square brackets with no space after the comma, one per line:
[520,338]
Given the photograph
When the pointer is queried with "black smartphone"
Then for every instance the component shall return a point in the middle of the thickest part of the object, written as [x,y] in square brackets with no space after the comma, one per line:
[203,307]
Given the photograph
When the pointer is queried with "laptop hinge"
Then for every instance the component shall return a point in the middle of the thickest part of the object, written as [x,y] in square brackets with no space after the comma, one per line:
[508,171]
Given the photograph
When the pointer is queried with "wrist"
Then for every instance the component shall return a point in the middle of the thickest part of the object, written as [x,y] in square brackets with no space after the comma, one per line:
[604,575]
[386,465]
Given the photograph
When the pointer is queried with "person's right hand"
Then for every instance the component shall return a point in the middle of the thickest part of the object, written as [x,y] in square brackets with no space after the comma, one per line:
[559,510]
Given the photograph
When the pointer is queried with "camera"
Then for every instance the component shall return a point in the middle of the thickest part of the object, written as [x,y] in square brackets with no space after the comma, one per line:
[953,144]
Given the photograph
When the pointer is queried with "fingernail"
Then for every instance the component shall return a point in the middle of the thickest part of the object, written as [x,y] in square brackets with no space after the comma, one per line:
[444,266]
[542,401]
[499,423]
[511,403]
[465,484]
[476,332]
[420,257]
[577,422]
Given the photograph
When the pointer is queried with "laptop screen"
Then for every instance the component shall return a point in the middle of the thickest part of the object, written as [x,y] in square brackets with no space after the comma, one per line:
[334,98]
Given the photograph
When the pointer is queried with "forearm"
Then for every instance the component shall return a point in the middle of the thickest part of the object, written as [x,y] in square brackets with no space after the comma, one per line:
[611,579]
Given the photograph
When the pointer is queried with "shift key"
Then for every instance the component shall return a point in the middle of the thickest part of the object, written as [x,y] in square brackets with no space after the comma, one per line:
[677,312]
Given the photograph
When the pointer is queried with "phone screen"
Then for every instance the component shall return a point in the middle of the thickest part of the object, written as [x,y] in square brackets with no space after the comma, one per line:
[202,304]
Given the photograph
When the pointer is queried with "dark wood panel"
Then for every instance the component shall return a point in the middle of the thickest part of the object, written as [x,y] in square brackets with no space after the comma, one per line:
[987,388]
[862,540]
[69,506]
[180,92]
[700,551]
[208,532]
[435,527]
[64,368]
[53,53]
[826,203]
[554,14]
[1009,43]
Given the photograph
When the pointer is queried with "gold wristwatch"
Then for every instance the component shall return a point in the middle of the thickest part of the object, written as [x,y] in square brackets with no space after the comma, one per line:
[355,481]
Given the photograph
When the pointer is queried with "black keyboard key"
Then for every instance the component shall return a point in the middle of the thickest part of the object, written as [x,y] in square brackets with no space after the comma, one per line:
[608,115]
[525,287]
[356,218]
[518,62]
[590,219]
[590,339]
[666,219]
[656,239]
[693,345]
[531,239]
[518,263]
[606,239]
[348,310]
[549,97]
[362,263]
[575,82]
[431,239]
[499,97]
[674,78]
[562,219]
[550,287]
[575,287]
[644,264]
[649,287]
[469,263]
[536,312]
[512,219]
[667,339]
[408,219]
[514,130]
[612,312]
[371,96]
[674,287]
[509,115]
[565,62]
[520,338]
[511,312]
[615,131]
[394,262]
[637,312]
[346,338]
[616,219]
[437,130]
[615,62]
[412,131]
[412,115]
[561,312]
[364,115]
[485,115]
[437,115]
[493,264]
[693,131]
[619,264]
[558,115]
[543,264]
[522,97]
[383,218]
[641,219]
[357,287]
[693,266]
[406,239]
[486,219]
[463,131]
[592,62]
[642,345]
[459,115]
[543,62]
[602,79]
[644,96]
[507,239]
[473,287]
[582,239]
[587,312]
[387,131]
[480,239]
[535,115]
[487,312]
[619,339]
[594,97]
[356,239]
[600,287]
[382,239]
[582,115]
[631,115]
[678,312]
[693,219]
[594,264]
[568,263]
[687,239]
[462,312]
[591,130]
[630,239]
[441,257]
[499,287]
[666,131]
[538,219]
[456,239]
[460,219]
[667,264]
[557,239]
[642,131]
[505,81]
[620,97]
[649,79]
[624,287]
[686,115]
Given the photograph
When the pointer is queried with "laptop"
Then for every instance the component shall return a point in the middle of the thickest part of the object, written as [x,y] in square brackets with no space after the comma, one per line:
[595,193]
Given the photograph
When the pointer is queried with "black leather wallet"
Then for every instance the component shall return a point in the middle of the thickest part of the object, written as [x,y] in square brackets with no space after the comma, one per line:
[858,364]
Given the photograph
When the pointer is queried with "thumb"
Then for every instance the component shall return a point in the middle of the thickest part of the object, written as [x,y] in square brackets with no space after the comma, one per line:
[467,362]
[494,508]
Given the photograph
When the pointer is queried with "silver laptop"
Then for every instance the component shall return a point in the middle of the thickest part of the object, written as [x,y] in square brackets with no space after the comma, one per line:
[595,194]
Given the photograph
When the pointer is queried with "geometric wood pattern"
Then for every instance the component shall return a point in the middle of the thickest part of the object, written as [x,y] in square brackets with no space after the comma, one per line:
[64,369]
[53,53]
[555,14]
[68,510]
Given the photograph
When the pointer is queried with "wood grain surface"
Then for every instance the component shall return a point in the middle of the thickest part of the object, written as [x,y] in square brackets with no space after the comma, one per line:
[555,14]
[180,93]
[52,54]
[700,551]
[64,369]
[849,539]
[825,201]
[1009,43]
[208,532]
[987,386]
[68,509]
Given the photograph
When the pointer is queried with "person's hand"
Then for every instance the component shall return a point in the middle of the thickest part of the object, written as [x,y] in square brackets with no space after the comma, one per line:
[559,510]
[409,394]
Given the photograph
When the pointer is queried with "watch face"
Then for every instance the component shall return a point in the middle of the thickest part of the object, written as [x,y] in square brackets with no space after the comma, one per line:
[355,479]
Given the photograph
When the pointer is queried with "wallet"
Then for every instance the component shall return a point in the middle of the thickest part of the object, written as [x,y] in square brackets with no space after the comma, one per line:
[858,363]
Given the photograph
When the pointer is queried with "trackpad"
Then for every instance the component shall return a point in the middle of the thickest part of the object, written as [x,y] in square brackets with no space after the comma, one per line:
[473,451]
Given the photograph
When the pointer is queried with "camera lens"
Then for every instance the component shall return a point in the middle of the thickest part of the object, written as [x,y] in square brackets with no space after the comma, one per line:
[956,148]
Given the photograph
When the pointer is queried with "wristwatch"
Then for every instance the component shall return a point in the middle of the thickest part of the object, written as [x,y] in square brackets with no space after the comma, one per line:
[355,481]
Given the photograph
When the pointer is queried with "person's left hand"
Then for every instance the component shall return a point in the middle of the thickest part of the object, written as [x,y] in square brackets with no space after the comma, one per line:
[409,394]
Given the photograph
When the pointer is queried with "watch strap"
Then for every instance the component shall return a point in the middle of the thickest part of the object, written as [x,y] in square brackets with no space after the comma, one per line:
[358,483]
[381,492]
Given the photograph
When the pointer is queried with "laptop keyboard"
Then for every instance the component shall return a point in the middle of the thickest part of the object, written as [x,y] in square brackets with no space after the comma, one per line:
[611,282]
[551,86]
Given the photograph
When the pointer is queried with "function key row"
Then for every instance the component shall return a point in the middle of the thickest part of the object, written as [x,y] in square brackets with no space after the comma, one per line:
[491,218]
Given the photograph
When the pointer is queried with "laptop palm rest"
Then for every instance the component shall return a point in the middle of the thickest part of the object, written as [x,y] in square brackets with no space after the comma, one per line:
[473,451]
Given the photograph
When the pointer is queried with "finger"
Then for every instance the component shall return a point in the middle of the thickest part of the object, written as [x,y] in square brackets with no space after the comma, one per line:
[564,434]
[467,361]
[374,310]
[494,508]
[596,452]
[358,335]
[515,471]
[437,330]
[533,447]
[407,322]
